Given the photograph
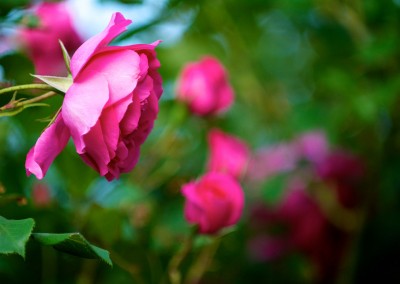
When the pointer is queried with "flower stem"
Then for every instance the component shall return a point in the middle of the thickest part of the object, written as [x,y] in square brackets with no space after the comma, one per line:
[198,269]
[37,99]
[173,267]
[16,104]
[26,87]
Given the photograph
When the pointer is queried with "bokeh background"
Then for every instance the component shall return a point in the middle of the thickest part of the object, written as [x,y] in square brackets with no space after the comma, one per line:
[324,69]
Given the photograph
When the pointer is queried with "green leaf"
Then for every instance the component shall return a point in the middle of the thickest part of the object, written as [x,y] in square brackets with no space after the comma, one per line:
[67,59]
[75,244]
[60,83]
[14,234]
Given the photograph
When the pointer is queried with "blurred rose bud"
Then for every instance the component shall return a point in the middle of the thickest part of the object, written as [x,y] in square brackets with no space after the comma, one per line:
[228,154]
[42,42]
[204,87]
[213,202]
[41,195]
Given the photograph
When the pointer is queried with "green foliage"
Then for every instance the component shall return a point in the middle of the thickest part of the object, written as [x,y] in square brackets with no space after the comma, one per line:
[14,234]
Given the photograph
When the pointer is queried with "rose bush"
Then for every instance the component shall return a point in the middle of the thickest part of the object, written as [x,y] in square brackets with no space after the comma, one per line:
[109,109]
[213,202]
[42,42]
[228,154]
[204,87]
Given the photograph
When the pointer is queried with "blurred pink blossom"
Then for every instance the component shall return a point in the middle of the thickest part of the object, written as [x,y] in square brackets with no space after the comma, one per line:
[228,154]
[269,161]
[204,87]
[110,108]
[41,43]
[344,172]
[213,202]
[312,145]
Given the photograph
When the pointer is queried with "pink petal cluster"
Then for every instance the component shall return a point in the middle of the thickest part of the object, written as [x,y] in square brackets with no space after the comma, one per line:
[213,202]
[110,108]
[42,42]
[311,146]
[228,154]
[299,222]
[204,87]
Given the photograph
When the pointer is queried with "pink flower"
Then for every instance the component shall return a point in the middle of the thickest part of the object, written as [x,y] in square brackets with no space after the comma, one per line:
[41,42]
[228,154]
[110,108]
[313,146]
[344,172]
[204,87]
[213,202]
[269,161]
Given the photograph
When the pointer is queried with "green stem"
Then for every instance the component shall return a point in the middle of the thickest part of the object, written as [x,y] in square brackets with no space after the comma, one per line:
[173,267]
[27,102]
[37,99]
[198,269]
[26,87]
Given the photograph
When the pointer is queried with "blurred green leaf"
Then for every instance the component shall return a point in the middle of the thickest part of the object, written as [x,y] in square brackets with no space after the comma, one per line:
[17,68]
[14,234]
[75,244]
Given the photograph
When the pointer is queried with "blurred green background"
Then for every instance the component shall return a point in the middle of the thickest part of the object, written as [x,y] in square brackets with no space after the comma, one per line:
[295,65]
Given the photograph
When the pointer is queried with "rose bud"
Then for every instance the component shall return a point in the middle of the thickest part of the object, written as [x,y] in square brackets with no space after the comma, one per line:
[204,87]
[213,202]
[228,154]
[42,41]
[110,108]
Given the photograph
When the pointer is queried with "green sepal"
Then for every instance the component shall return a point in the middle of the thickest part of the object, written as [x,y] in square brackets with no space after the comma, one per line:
[60,83]
[67,59]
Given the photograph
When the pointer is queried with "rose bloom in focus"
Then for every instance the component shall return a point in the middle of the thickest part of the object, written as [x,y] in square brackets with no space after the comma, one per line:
[42,42]
[110,108]
[213,202]
[228,154]
[205,88]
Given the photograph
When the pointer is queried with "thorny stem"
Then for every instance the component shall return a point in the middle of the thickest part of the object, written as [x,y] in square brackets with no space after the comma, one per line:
[26,87]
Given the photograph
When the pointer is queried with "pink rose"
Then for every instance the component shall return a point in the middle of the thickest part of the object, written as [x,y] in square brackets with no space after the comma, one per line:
[109,109]
[213,202]
[204,87]
[228,154]
[41,42]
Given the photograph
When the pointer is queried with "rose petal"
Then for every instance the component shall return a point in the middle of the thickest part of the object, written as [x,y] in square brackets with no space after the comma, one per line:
[47,147]
[121,70]
[116,26]
[83,105]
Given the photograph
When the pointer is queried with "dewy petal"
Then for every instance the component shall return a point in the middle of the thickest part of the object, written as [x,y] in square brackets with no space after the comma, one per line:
[48,146]
[83,105]
[116,26]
